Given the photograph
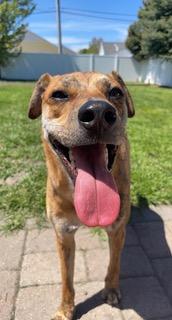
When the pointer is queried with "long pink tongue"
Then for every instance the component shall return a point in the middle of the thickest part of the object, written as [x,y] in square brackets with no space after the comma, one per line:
[96,199]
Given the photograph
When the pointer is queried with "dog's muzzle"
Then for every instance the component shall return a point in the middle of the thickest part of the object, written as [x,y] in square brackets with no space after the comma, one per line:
[89,164]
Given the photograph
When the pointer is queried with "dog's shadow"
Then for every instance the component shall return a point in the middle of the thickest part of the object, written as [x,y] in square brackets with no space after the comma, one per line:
[89,304]
[142,287]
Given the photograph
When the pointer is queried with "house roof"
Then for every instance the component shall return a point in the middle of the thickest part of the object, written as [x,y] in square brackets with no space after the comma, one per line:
[110,48]
[32,43]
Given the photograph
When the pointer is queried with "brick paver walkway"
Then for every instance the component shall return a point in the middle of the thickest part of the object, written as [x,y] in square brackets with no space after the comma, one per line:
[30,280]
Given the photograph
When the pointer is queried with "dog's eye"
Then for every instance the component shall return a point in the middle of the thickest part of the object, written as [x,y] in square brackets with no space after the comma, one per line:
[116,93]
[59,95]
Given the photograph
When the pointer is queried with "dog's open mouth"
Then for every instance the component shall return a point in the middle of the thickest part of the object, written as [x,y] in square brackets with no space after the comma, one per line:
[96,199]
[67,158]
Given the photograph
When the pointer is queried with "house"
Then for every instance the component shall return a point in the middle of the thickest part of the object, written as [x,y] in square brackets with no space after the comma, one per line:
[32,43]
[114,48]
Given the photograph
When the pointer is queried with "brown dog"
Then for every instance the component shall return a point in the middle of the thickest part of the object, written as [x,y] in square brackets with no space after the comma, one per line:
[87,154]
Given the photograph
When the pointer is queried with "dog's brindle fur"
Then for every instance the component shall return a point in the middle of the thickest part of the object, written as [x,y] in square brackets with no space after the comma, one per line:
[60,118]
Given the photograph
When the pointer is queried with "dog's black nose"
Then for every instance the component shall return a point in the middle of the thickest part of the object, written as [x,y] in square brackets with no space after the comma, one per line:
[97,113]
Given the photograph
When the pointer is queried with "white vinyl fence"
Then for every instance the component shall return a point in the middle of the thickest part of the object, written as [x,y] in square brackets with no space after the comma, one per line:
[29,66]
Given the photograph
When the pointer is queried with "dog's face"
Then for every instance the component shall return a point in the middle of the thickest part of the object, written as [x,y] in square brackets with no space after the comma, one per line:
[80,110]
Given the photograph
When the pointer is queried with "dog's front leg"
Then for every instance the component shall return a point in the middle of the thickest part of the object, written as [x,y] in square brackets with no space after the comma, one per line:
[66,252]
[111,293]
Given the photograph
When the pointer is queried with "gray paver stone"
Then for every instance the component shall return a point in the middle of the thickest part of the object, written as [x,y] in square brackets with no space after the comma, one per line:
[163,269]
[168,224]
[89,304]
[163,211]
[146,297]
[40,241]
[32,223]
[155,238]
[131,237]
[97,263]
[134,263]
[86,240]
[41,302]
[6,303]
[166,318]
[152,214]
[149,214]
[8,280]
[38,303]
[11,250]
[103,312]
[136,215]
[39,268]
[43,268]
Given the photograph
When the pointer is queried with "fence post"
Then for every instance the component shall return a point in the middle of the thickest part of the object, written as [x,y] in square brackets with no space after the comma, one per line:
[91,62]
[116,62]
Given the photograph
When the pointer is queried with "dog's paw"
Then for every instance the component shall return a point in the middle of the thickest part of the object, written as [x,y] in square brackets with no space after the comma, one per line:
[111,296]
[63,314]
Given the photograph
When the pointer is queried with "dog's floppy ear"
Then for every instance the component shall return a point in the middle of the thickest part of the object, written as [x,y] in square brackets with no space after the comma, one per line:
[35,105]
[129,101]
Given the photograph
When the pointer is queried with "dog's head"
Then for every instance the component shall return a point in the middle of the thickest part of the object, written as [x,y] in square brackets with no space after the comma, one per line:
[83,117]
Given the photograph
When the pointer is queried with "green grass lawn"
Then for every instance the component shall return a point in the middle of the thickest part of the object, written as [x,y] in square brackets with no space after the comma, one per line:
[150,134]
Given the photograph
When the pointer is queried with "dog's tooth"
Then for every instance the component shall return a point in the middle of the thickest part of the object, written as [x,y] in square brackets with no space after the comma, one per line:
[106,156]
[71,156]
[73,164]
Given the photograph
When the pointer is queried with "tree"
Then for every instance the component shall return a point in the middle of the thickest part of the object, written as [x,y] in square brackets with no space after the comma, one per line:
[151,34]
[12,28]
[93,48]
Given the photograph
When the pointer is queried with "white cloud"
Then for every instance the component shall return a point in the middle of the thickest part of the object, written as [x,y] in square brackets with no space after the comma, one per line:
[118,29]
[82,26]
[42,26]
[69,40]
[75,40]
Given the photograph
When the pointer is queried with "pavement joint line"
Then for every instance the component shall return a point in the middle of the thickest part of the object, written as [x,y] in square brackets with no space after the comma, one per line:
[40,252]
[162,258]
[155,273]
[131,245]
[17,288]
[54,251]
[136,277]
[78,250]
[40,285]
[10,269]
[146,222]
[83,282]
[162,318]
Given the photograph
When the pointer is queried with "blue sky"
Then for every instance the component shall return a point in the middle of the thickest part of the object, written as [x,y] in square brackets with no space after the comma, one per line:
[77,30]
